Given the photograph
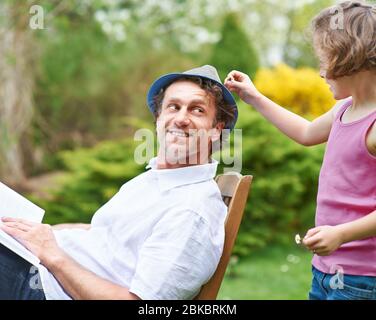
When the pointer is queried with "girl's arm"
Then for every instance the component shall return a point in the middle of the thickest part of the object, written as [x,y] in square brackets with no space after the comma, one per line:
[324,240]
[295,127]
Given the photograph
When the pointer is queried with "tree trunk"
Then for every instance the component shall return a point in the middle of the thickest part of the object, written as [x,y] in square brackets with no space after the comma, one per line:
[16,87]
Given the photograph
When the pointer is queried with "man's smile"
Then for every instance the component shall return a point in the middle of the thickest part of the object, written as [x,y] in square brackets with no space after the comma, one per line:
[179,133]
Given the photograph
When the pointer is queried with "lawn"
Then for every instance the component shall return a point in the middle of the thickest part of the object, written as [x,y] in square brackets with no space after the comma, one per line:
[273,273]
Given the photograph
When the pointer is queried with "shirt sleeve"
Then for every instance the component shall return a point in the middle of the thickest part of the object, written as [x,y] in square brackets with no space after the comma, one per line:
[180,255]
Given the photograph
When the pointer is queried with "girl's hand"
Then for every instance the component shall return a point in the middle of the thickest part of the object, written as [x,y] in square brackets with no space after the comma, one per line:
[242,85]
[323,240]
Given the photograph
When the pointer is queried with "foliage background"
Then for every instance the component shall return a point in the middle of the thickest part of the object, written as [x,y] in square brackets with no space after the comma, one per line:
[73,93]
[93,64]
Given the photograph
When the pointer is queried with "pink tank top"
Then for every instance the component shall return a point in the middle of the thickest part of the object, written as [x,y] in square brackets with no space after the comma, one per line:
[347,191]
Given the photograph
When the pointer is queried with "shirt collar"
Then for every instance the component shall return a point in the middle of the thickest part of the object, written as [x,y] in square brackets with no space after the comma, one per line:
[172,178]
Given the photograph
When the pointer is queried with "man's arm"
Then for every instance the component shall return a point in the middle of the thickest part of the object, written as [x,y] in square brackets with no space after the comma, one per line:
[179,256]
[62,226]
[77,281]
[82,284]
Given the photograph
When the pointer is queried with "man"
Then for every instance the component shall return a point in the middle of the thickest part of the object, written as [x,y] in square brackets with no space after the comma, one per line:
[161,236]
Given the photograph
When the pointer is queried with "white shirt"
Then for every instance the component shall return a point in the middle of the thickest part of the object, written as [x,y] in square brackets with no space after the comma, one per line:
[161,236]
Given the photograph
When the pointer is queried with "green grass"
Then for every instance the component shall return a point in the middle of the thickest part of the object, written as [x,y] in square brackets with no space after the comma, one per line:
[275,273]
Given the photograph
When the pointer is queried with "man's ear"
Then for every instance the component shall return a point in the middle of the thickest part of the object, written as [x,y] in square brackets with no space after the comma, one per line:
[216,131]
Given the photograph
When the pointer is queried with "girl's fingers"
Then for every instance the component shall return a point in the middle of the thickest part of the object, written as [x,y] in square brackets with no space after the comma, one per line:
[230,78]
[231,85]
[236,75]
[311,241]
[231,74]
[318,248]
[227,81]
[311,232]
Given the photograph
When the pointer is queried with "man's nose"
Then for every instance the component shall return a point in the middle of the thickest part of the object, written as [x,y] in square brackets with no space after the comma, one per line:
[182,117]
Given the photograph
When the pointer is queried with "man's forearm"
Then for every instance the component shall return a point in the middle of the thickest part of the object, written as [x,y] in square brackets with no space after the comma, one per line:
[83,284]
[359,229]
[61,226]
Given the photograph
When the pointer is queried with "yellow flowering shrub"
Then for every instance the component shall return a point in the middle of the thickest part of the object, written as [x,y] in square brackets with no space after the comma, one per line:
[301,90]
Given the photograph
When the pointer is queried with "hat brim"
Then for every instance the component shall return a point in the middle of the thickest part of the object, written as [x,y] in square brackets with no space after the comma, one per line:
[167,79]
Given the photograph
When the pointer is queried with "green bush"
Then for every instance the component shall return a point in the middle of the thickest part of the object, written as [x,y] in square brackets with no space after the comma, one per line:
[93,176]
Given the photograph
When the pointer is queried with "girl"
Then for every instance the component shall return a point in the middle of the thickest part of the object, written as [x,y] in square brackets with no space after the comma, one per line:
[344,239]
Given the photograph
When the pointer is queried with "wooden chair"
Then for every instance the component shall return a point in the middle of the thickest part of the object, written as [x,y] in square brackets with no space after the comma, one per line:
[234,189]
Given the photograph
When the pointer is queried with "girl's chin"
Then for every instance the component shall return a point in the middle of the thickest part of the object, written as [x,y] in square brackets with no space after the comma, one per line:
[335,94]
[338,96]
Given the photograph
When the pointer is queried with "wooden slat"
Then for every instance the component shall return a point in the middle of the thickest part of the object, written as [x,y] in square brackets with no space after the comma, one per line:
[236,186]
[228,182]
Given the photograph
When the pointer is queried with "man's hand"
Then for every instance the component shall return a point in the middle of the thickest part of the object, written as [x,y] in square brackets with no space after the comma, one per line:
[36,237]
[323,240]
[77,281]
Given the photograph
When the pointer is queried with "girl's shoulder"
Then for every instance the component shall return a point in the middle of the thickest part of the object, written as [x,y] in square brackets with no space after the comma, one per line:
[341,106]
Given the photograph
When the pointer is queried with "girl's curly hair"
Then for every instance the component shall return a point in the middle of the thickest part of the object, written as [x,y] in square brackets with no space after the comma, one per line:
[345,38]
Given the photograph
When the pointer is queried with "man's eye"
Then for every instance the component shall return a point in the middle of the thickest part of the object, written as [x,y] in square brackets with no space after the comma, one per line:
[172,106]
[198,109]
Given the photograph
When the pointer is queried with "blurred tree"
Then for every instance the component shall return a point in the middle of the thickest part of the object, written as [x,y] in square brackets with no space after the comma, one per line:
[94,61]
[86,69]
[18,54]
[271,24]
[99,58]
[297,49]
[234,50]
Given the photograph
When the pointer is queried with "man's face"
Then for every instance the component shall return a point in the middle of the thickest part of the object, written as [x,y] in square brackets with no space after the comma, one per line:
[185,124]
